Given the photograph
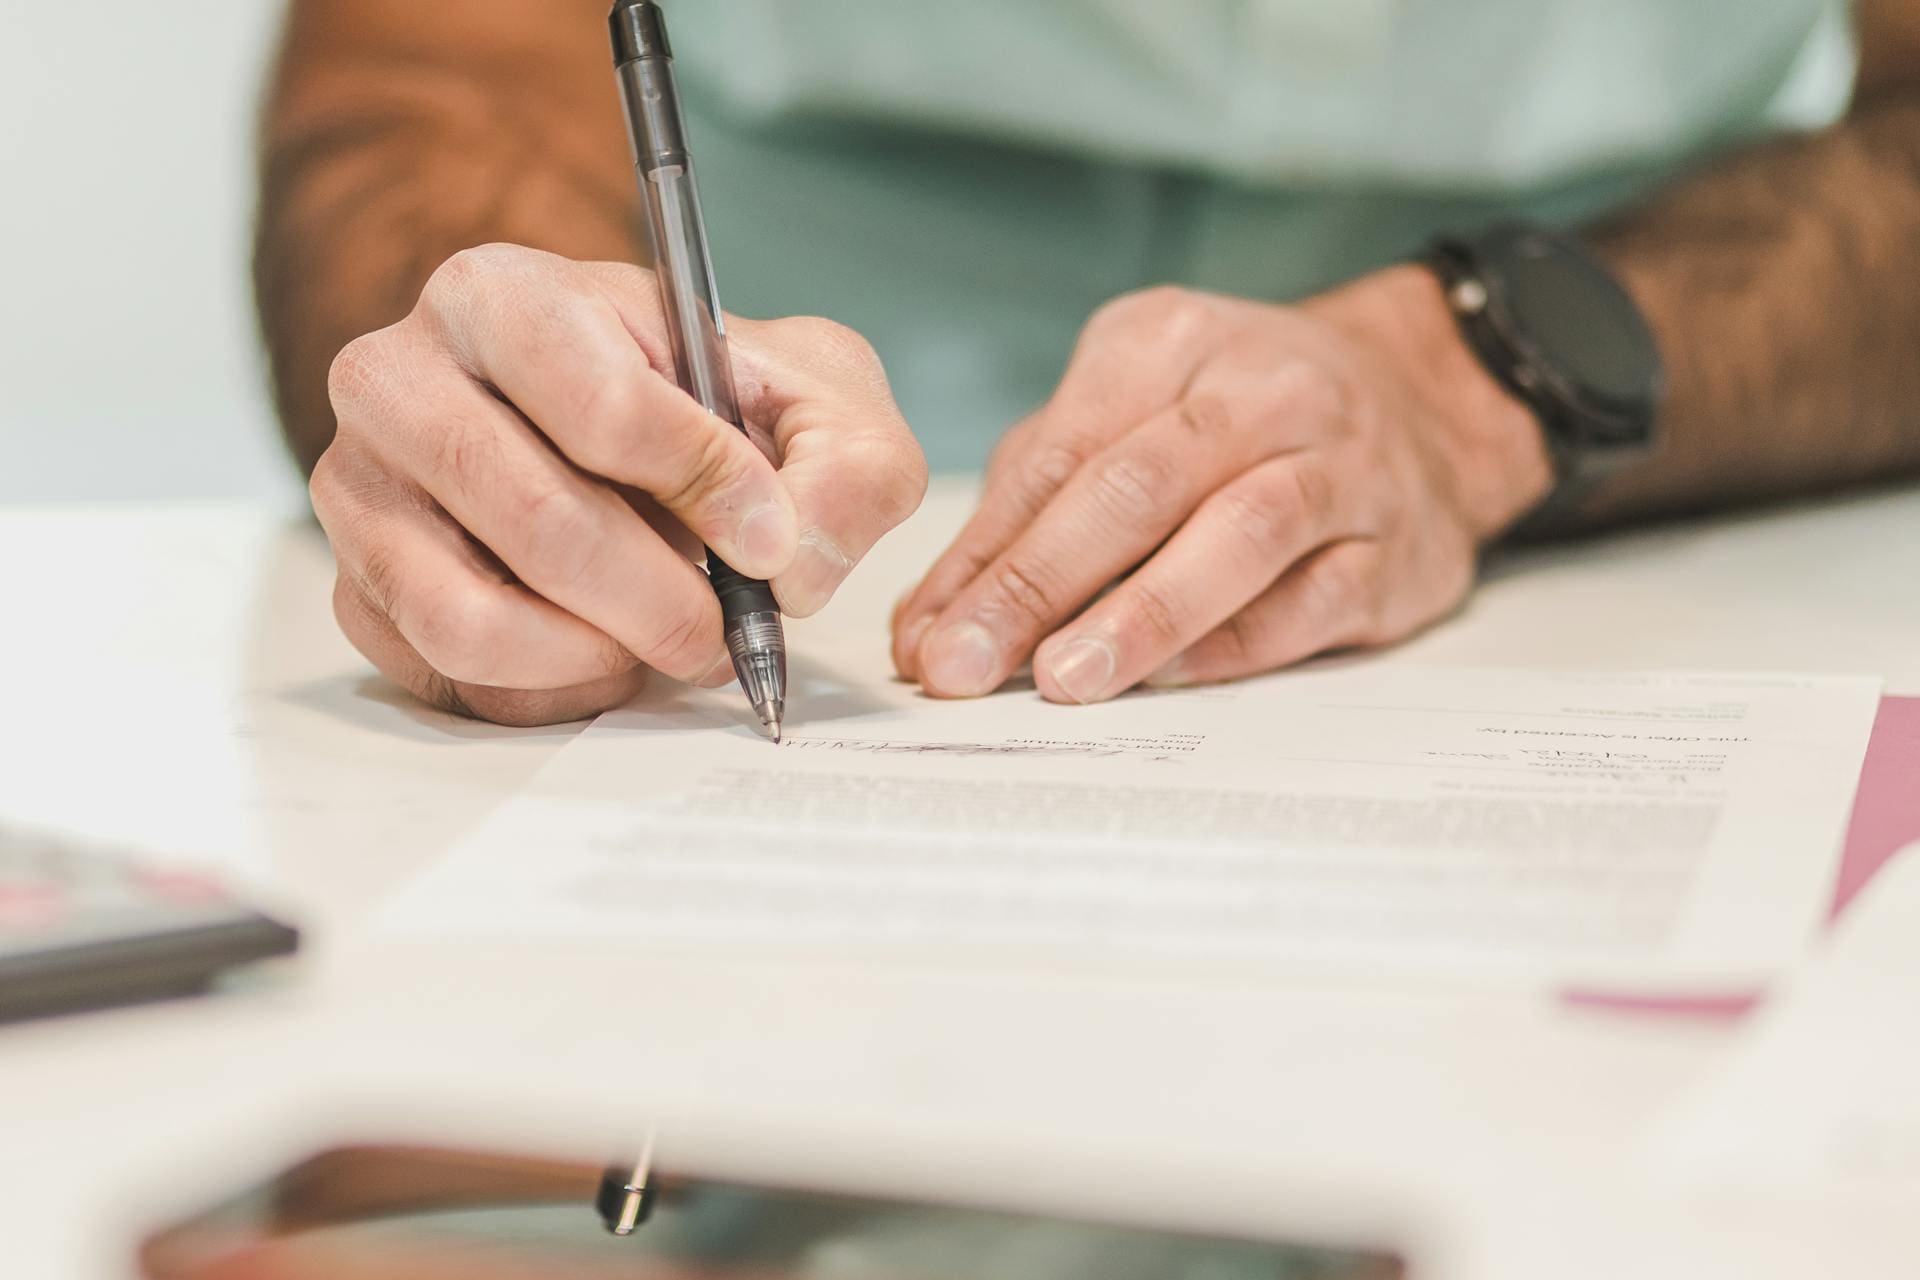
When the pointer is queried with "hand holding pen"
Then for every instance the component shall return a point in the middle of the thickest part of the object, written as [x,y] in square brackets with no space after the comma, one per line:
[518,490]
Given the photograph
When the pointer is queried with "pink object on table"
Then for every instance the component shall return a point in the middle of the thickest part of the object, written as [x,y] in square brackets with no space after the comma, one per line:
[1886,809]
[1886,819]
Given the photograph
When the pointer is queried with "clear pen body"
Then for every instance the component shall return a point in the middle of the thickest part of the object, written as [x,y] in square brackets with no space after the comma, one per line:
[696,326]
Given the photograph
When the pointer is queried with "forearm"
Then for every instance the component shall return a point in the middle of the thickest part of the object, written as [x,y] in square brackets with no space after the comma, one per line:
[1781,289]
[397,135]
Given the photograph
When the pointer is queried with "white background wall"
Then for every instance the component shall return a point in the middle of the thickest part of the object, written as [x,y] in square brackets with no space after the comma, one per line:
[128,360]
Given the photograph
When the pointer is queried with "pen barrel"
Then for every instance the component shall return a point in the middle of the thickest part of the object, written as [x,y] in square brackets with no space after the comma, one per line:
[655,125]
[696,327]
[690,298]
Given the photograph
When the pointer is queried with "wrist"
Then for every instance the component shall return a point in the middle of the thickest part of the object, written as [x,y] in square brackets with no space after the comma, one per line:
[1489,442]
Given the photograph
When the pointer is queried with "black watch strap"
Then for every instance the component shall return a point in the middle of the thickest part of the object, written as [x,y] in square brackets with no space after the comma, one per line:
[1553,326]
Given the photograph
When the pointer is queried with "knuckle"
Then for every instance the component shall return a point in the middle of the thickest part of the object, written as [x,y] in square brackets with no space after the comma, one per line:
[378,577]
[1157,612]
[360,372]
[1338,596]
[457,633]
[470,270]
[1163,310]
[816,329]
[1272,507]
[680,636]
[1025,590]
[326,491]
[838,343]
[1130,486]
[556,529]
[1304,394]
[468,453]
[1257,519]
[624,279]
[604,422]
[913,491]
[1116,313]
[705,466]
[1247,639]
[1009,451]
[894,470]
[1167,299]
[1049,466]
[1311,492]
[1205,415]
[1311,388]
[350,608]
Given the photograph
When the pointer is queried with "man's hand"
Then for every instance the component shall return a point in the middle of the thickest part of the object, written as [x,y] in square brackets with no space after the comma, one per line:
[517,491]
[1266,482]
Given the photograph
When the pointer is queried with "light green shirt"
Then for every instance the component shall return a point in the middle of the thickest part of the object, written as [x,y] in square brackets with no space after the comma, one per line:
[964,182]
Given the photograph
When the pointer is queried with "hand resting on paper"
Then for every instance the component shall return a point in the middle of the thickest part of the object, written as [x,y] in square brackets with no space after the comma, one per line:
[1267,482]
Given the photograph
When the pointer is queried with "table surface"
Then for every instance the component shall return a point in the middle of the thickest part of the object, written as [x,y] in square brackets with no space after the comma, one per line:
[177,681]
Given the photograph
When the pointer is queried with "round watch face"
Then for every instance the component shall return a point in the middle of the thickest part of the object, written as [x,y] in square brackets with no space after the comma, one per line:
[1581,323]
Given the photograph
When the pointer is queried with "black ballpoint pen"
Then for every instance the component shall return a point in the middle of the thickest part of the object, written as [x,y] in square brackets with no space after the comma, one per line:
[695,325]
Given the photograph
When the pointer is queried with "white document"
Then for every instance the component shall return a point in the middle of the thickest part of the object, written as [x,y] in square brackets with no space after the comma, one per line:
[1661,830]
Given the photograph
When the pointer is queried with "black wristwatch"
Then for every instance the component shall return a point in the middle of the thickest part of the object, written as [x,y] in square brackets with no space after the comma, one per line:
[1552,325]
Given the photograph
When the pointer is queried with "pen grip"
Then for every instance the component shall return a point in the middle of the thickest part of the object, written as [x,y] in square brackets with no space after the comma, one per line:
[739,594]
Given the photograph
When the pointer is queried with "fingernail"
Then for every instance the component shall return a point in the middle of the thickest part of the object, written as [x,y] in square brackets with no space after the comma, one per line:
[1172,676]
[1083,668]
[962,661]
[816,574]
[766,537]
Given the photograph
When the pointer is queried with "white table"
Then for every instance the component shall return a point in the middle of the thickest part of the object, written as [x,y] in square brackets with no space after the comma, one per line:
[175,676]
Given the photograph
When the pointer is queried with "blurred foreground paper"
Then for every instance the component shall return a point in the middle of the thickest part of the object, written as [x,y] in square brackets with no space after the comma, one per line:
[1820,1101]
[1666,831]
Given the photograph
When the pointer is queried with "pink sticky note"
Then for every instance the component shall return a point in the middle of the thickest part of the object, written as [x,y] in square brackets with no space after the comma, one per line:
[1886,819]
